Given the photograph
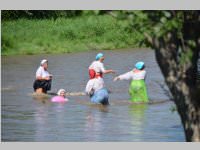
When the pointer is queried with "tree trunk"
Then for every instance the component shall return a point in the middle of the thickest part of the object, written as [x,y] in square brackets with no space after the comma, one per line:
[180,77]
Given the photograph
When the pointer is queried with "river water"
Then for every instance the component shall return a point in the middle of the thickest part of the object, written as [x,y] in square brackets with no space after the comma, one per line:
[24,118]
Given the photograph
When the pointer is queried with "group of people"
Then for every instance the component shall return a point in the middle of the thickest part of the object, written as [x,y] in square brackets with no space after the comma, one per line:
[95,87]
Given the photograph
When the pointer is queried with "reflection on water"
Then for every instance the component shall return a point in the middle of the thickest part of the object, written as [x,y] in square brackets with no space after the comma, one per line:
[138,120]
[49,122]
[94,126]
[29,118]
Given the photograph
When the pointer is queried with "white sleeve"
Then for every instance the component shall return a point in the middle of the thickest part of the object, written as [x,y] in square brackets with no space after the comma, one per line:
[125,76]
[89,86]
[91,65]
[102,67]
[144,74]
[39,72]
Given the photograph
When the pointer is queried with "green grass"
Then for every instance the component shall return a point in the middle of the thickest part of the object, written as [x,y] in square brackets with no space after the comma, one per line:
[66,35]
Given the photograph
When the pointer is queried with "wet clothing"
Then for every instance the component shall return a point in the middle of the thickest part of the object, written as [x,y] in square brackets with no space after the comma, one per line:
[97,66]
[100,97]
[42,72]
[59,99]
[94,85]
[131,75]
[92,74]
[44,84]
[137,89]
[95,88]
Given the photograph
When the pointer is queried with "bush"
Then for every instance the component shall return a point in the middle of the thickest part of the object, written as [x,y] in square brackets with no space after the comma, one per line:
[38,14]
[6,43]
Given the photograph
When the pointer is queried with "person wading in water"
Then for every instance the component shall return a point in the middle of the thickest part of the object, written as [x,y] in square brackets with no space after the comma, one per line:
[137,89]
[97,66]
[95,87]
[43,79]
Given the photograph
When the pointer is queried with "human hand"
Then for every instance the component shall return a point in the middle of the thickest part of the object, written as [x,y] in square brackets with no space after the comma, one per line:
[115,79]
[47,78]
[50,76]
[112,71]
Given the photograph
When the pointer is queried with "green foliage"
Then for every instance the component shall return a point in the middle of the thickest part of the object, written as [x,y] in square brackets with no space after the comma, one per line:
[153,23]
[38,14]
[47,14]
[62,35]
[6,43]
[173,108]
[186,57]
[93,12]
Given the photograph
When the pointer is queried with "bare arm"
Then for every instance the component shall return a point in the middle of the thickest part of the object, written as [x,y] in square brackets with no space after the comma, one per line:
[41,78]
[108,71]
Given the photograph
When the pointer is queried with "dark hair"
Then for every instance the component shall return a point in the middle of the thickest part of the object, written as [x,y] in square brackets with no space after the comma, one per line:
[142,67]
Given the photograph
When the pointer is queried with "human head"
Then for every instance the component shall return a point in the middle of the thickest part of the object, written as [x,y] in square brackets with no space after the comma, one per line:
[139,65]
[100,56]
[44,63]
[61,92]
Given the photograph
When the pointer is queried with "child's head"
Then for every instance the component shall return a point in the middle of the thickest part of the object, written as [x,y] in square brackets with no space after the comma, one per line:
[61,92]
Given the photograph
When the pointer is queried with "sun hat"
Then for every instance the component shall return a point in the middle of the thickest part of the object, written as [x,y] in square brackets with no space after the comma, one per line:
[99,55]
[61,90]
[139,65]
[43,61]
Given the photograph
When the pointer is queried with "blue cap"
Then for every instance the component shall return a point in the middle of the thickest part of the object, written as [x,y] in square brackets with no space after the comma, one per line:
[98,56]
[139,65]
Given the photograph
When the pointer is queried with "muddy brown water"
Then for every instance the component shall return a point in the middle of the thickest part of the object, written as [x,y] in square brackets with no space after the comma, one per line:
[25,118]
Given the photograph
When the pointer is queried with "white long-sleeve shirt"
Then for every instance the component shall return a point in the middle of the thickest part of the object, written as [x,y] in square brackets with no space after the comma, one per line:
[94,85]
[133,75]
[97,66]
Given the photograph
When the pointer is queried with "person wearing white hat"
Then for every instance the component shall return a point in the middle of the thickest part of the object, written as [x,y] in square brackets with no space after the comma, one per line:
[60,96]
[61,92]
[43,79]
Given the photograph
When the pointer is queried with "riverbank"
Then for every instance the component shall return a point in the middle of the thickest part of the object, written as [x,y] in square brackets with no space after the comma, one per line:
[49,36]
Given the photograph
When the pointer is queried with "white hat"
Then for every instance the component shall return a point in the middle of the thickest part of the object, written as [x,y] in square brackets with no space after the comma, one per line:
[61,90]
[43,61]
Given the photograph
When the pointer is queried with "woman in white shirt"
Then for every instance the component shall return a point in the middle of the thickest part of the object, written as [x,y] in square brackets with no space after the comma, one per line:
[43,79]
[137,89]
[98,67]
[95,88]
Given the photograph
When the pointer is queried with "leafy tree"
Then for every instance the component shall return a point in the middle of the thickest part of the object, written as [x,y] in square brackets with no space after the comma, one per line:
[175,37]
[38,14]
